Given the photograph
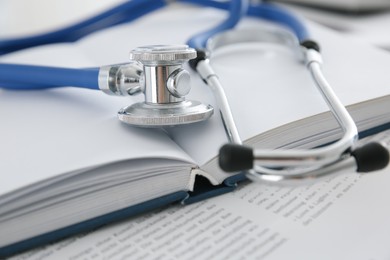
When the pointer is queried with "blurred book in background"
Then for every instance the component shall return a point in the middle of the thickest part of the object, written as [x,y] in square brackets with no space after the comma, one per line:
[345,5]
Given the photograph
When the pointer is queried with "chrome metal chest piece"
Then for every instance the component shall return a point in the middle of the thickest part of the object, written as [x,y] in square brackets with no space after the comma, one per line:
[158,72]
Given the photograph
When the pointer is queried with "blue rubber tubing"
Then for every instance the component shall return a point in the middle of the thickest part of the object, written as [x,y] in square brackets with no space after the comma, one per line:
[18,77]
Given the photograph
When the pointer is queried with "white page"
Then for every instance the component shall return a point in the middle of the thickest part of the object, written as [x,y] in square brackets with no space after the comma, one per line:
[45,133]
[339,218]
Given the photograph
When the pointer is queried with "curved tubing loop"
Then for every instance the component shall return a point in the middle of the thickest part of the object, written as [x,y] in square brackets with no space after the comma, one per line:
[265,11]
[131,10]
[126,12]
[237,9]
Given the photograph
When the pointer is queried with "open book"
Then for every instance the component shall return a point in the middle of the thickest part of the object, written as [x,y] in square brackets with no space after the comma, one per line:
[343,216]
[68,165]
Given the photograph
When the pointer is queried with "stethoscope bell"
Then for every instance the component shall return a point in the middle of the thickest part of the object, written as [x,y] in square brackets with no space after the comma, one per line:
[165,84]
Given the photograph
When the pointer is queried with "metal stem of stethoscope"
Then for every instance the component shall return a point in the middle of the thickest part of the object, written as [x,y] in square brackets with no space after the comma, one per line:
[208,75]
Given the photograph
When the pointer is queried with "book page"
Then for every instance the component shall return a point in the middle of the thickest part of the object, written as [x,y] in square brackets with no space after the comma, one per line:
[45,133]
[342,217]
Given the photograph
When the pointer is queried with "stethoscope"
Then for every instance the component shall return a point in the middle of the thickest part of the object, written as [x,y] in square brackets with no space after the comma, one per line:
[157,71]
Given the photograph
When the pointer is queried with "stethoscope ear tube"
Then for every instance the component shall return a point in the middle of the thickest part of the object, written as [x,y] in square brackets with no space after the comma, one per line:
[290,165]
[235,158]
[370,157]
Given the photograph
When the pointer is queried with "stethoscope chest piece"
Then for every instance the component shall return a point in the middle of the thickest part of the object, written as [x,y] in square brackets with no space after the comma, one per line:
[165,84]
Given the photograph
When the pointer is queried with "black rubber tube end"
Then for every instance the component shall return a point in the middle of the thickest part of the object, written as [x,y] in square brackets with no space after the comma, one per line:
[371,157]
[234,157]
[200,55]
[309,44]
